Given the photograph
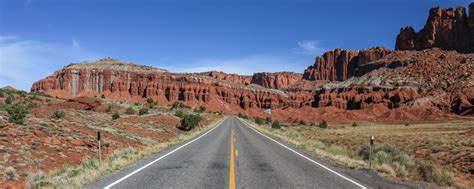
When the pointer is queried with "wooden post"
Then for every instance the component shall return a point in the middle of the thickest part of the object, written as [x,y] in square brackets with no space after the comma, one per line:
[100,148]
[372,138]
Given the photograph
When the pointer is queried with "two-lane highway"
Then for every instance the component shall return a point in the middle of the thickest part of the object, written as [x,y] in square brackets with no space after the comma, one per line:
[231,155]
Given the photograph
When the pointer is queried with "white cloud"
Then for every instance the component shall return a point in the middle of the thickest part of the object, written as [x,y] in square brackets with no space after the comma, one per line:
[75,43]
[309,47]
[246,65]
[23,62]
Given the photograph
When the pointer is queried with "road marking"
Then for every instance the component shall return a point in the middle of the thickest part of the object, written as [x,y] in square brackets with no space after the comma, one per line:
[307,158]
[158,159]
[232,169]
[236,153]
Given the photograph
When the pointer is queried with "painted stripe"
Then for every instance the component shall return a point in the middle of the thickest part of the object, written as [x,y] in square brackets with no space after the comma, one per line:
[307,158]
[158,159]
[232,168]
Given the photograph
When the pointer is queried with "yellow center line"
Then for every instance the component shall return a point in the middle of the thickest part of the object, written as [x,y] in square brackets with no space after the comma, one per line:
[232,169]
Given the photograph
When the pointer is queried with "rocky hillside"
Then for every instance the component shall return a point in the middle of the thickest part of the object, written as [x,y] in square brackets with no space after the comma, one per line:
[449,28]
[370,84]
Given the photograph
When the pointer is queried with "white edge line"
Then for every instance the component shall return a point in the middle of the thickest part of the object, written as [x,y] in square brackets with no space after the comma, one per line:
[309,159]
[158,159]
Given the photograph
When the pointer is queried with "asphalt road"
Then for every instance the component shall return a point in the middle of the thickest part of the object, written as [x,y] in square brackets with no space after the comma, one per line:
[256,161]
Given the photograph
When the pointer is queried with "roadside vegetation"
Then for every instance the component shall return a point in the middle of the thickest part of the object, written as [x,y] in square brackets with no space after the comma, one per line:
[400,152]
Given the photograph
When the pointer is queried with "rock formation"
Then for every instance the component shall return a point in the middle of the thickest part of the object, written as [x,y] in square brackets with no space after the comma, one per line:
[339,64]
[448,29]
[278,80]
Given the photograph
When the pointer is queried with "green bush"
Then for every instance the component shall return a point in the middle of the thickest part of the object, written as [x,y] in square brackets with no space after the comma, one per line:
[382,157]
[2,107]
[202,109]
[176,105]
[10,172]
[354,124]
[323,124]
[130,111]
[150,101]
[9,100]
[268,120]
[179,114]
[115,116]
[143,111]
[17,113]
[338,150]
[58,114]
[276,125]
[433,174]
[188,122]
[242,116]
[302,122]
[259,120]
[89,163]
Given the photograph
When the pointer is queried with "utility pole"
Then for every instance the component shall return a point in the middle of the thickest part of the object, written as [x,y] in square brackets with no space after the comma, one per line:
[372,138]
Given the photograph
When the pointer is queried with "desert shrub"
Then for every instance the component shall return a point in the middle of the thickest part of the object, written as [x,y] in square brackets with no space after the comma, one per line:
[201,109]
[2,107]
[400,170]
[9,100]
[293,134]
[259,120]
[73,173]
[2,93]
[268,120]
[338,150]
[130,111]
[179,113]
[354,124]
[102,96]
[389,149]
[176,105]
[382,157]
[31,105]
[364,152]
[17,113]
[243,116]
[109,109]
[432,174]
[36,180]
[89,163]
[323,124]
[58,114]
[10,172]
[314,144]
[143,111]
[115,116]
[151,101]
[402,158]
[302,122]
[407,124]
[276,125]
[188,122]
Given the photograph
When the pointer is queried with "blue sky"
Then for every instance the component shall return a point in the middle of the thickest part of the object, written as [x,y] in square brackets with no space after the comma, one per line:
[39,37]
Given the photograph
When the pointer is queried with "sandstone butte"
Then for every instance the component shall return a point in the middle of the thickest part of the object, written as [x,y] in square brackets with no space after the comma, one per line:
[447,29]
[375,84]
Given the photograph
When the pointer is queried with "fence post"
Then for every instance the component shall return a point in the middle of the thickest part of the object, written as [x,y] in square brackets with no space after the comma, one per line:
[372,138]
[100,148]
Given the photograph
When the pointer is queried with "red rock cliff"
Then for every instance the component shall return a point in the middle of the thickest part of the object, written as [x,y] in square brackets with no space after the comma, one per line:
[449,29]
[339,64]
[277,80]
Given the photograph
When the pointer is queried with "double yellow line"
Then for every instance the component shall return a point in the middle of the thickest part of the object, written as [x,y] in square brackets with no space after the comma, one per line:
[232,168]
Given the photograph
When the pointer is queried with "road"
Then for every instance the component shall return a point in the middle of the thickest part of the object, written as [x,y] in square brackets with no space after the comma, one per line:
[231,155]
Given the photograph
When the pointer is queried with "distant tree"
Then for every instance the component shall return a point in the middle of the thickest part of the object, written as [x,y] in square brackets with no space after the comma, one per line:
[259,120]
[102,96]
[9,100]
[190,121]
[143,111]
[130,111]
[323,124]
[354,124]
[276,125]
[115,116]
[58,114]
[150,101]
[268,120]
[17,113]
[302,122]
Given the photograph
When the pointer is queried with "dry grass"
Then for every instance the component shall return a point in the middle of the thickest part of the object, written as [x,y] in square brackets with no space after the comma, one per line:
[444,148]
[90,170]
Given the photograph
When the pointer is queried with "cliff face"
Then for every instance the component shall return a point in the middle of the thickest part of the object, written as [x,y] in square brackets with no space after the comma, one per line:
[278,80]
[234,78]
[339,64]
[448,29]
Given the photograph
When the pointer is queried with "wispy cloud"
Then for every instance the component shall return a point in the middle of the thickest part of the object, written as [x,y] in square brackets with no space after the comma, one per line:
[23,62]
[246,65]
[75,43]
[309,47]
